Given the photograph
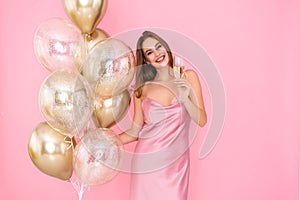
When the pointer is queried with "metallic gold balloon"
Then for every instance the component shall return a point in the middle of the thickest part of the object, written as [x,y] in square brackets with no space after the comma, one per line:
[86,14]
[109,63]
[97,156]
[66,101]
[59,44]
[51,152]
[109,111]
[95,37]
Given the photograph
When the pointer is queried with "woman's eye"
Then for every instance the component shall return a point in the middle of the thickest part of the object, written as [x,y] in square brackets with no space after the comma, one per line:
[148,53]
[158,46]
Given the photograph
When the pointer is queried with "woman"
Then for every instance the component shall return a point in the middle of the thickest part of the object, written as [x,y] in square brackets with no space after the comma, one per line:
[163,109]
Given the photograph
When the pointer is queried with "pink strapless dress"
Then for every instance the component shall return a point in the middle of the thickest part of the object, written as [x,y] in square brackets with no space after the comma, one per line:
[161,162]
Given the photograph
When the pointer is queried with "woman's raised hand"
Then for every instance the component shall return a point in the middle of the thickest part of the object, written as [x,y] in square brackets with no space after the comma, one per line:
[183,89]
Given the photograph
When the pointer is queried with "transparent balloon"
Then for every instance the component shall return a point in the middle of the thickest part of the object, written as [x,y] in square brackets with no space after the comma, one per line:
[58,44]
[97,156]
[110,63]
[51,152]
[66,101]
[109,111]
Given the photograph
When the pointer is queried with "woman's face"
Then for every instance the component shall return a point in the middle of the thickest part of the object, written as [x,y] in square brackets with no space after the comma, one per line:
[155,53]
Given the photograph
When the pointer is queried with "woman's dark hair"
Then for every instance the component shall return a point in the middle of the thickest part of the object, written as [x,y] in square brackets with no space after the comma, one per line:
[147,72]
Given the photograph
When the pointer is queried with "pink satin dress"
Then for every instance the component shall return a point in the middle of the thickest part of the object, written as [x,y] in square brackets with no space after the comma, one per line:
[161,162]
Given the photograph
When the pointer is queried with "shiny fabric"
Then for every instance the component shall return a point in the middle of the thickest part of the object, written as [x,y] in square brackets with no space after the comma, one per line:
[161,163]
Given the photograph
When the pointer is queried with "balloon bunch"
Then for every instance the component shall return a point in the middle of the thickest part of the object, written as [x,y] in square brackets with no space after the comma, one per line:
[89,77]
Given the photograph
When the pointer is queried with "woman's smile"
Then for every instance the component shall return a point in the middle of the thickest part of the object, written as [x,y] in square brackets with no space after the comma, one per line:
[160,59]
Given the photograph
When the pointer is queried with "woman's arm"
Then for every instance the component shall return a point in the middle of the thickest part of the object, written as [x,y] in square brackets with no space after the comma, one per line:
[137,124]
[192,97]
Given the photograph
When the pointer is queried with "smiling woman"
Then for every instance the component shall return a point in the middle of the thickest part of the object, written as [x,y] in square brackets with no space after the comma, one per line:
[160,167]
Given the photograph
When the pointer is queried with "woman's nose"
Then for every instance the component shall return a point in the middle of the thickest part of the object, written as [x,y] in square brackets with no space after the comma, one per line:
[156,53]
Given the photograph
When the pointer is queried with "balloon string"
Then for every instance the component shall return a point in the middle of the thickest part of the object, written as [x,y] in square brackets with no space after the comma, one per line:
[68,140]
[80,194]
[86,37]
[79,187]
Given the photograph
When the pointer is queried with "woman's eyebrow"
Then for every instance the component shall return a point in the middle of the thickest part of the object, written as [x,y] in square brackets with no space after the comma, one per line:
[157,44]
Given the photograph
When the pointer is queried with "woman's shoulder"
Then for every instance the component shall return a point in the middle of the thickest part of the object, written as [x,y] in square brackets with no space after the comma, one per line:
[191,72]
[191,75]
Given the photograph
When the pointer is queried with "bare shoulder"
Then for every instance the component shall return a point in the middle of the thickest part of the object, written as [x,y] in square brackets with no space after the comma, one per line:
[149,85]
[191,75]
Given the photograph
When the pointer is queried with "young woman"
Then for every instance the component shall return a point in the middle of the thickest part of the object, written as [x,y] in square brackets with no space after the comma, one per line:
[163,109]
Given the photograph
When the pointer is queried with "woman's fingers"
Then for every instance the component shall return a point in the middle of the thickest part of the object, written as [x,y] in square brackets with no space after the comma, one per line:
[182,83]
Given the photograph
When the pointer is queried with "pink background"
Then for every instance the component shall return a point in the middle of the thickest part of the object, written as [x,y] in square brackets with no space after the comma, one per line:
[256,47]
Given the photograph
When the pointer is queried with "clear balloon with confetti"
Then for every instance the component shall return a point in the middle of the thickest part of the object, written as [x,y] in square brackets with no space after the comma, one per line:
[97,157]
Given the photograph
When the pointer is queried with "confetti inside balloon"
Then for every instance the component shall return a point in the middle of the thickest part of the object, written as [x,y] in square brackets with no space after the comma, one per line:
[66,101]
[110,63]
[58,44]
[97,157]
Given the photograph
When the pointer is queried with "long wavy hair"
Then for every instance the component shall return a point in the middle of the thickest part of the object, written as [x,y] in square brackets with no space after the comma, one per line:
[147,72]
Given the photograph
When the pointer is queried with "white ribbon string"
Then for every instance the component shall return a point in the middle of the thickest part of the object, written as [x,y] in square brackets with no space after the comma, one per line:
[79,188]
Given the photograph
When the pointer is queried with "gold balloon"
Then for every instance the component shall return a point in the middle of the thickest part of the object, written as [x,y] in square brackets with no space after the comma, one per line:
[86,14]
[51,152]
[95,37]
[109,111]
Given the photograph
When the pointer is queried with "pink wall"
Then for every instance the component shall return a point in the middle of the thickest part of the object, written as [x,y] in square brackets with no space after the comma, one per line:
[256,47]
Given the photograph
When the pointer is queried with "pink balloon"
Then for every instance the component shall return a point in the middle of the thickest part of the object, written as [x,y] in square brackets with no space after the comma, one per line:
[97,157]
[58,44]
